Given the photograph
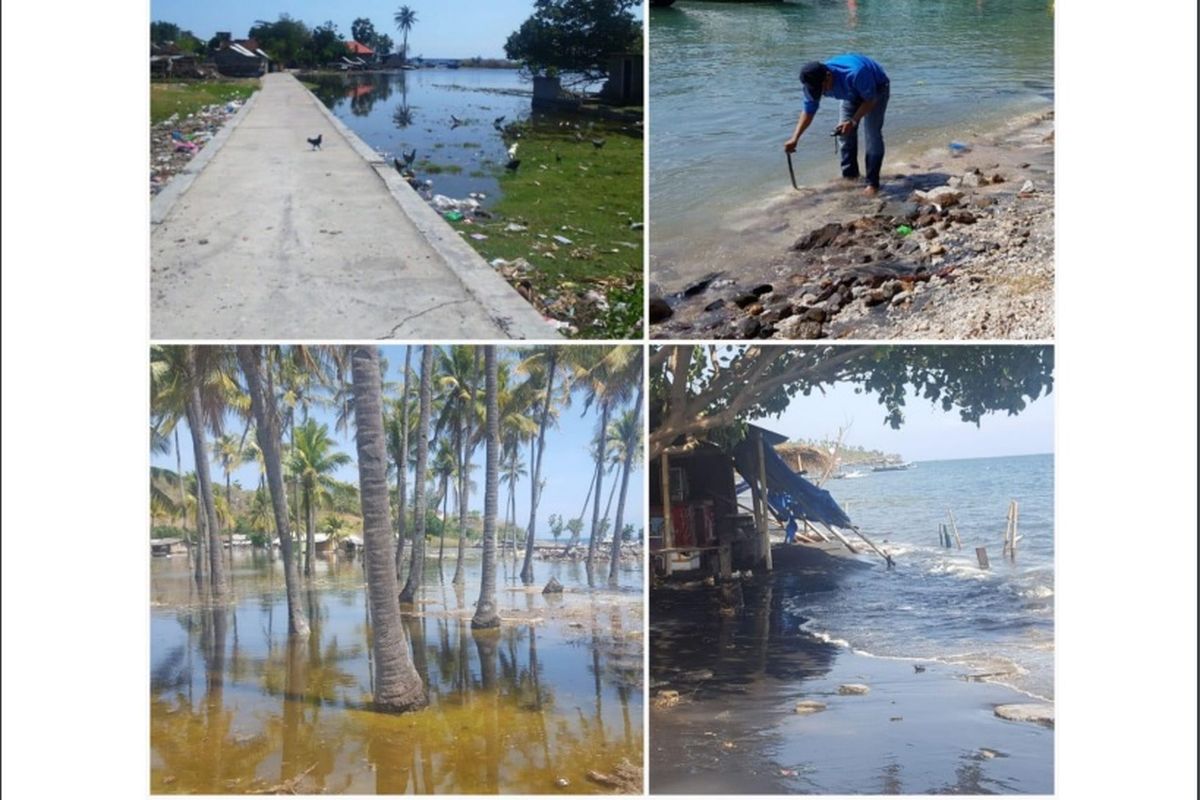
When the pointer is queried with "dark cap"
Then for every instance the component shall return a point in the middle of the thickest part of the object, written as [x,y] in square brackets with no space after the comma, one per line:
[812,75]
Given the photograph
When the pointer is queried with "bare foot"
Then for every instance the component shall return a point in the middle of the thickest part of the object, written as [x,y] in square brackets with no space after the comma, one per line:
[870,191]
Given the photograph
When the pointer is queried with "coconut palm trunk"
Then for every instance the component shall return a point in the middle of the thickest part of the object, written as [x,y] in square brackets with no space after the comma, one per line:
[485,608]
[535,490]
[310,529]
[397,687]
[445,511]
[464,480]
[587,498]
[195,420]
[416,568]
[600,456]
[626,468]
[266,426]
[402,467]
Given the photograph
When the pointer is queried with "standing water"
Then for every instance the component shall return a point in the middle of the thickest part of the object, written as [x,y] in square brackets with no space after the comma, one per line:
[725,93]
[235,707]
[452,118]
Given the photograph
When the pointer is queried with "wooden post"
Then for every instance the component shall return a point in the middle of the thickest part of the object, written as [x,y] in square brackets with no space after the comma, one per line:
[943,537]
[954,527]
[762,483]
[1016,513]
[849,545]
[981,554]
[668,534]
[871,544]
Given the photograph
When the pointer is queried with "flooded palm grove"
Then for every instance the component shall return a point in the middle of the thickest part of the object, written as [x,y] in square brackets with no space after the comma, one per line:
[551,702]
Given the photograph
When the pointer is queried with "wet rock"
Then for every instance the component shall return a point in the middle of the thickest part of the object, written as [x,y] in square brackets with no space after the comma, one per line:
[715,304]
[817,314]
[745,300]
[944,196]
[963,217]
[755,309]
[820,238]
[929,233]
[693,289]
[809,707]
[876,297]
[660,310]
[902,298]
[997,178]
[666,698]
[1039,713]
[800,328]
[853,688]
[761,289]
[553,587]
[747,327]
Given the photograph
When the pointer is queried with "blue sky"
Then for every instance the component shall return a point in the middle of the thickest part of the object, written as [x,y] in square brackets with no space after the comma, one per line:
[566,466]
[443,29]
[928,433]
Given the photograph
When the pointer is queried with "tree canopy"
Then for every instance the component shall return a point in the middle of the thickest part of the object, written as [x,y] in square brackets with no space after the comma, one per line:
[574,36]
[702,392]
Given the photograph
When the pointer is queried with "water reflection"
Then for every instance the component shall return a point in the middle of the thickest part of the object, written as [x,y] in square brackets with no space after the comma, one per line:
[238,707]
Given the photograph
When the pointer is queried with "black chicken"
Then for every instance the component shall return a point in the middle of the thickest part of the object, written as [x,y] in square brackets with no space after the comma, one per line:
[316,143]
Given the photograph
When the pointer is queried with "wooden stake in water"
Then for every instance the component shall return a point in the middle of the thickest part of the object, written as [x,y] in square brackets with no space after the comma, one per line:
[981,554]
[954,527]
[1010,531]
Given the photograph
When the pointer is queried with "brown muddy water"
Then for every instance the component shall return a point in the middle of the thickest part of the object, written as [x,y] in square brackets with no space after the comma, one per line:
[237,708]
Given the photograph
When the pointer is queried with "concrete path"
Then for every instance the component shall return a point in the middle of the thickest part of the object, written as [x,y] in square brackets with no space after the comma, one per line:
[265,238]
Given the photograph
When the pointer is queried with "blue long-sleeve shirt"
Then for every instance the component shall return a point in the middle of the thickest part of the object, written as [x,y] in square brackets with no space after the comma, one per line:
[855,78]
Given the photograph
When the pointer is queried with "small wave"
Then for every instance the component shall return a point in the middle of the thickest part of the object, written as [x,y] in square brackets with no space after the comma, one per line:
[1037,592]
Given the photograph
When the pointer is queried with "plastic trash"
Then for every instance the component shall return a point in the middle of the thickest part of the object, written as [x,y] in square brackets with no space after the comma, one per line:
[958,148]
[904,230]
[453,216]
[479,237]
[562,240]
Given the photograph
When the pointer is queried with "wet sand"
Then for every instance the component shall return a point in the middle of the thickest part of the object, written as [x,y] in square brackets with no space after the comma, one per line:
[734,728]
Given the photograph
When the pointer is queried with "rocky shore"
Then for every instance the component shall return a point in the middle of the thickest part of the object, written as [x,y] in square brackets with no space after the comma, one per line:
[960,247]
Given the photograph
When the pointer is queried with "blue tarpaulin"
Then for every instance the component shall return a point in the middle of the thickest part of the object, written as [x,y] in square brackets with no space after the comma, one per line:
[788,494]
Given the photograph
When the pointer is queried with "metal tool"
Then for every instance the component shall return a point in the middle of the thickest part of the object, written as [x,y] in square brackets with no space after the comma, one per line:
[792,172]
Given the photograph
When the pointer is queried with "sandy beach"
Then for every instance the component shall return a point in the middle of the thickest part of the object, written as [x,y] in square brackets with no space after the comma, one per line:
[749,702]
[959,244]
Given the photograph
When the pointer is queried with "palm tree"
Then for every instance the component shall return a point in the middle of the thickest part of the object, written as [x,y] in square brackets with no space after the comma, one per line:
[606,376]
[514,470]
[444,468]
[397,685]
[405,19]
[194,383]
[459,382]
[397,426]
[416,569]
[266,429]
[550,356]
[628,432]
[485,608]
[313,462]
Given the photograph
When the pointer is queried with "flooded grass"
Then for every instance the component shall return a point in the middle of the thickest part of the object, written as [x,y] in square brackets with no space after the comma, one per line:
[547,704]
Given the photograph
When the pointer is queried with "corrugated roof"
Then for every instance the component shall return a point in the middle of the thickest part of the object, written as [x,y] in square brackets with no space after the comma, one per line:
[359,49]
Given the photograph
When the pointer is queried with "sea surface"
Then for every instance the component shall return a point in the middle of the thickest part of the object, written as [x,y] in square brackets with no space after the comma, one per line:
[938,604]
[236,707]
[725,92]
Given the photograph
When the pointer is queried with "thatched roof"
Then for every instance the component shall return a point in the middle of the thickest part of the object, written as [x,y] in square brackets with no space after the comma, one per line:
[804,457]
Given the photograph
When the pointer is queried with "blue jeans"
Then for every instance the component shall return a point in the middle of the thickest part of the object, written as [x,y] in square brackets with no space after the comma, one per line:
[872,127]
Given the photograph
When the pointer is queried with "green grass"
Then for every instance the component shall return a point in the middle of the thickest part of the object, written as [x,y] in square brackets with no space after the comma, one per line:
[438,169]
[590,196]
[185,98]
